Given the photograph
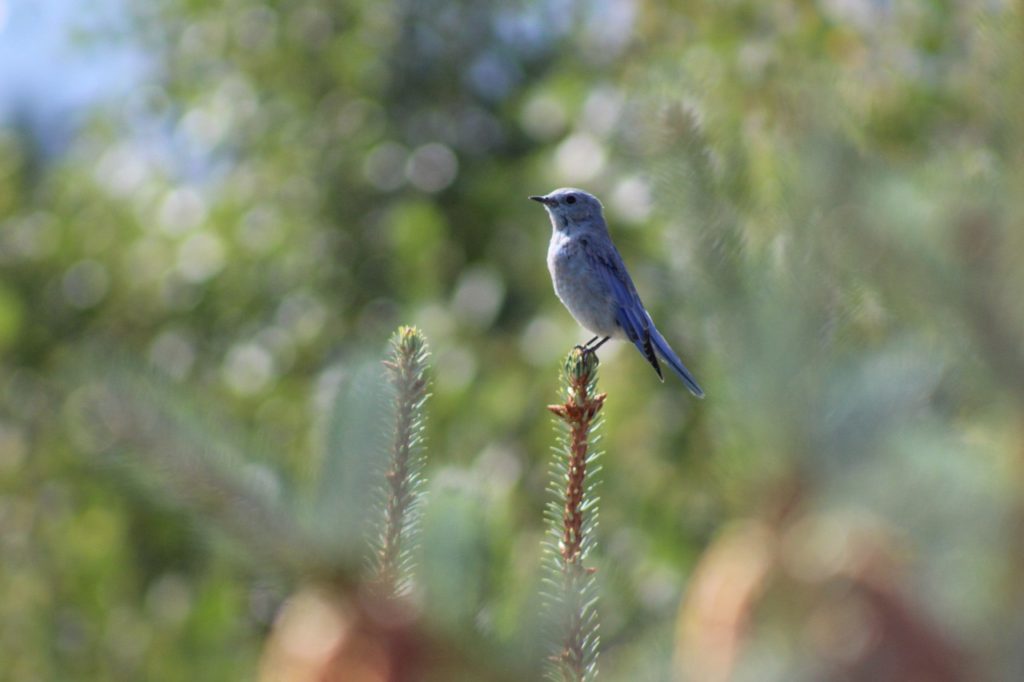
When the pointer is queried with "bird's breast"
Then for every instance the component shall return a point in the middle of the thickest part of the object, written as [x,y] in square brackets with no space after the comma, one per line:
[567,263]
[580,287]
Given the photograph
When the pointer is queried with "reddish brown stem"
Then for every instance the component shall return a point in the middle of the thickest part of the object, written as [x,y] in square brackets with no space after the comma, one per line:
[578,412]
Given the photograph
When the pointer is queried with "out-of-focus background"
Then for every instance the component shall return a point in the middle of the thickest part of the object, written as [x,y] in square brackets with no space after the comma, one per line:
[230,205]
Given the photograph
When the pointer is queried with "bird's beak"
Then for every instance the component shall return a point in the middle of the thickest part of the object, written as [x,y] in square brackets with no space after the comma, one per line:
[543,200]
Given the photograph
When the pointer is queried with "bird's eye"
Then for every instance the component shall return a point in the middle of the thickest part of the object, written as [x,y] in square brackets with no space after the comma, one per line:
[571,199]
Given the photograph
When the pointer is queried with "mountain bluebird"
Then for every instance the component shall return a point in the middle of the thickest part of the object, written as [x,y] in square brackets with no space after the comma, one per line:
[591,281]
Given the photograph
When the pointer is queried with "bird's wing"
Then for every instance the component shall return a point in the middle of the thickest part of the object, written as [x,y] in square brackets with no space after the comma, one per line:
[630,312]
[633,317]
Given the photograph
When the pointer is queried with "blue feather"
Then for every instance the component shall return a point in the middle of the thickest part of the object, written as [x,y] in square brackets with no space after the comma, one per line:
[634,319]
[674,362]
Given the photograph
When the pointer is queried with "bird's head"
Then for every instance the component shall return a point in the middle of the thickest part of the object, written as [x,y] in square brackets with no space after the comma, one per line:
[571,207]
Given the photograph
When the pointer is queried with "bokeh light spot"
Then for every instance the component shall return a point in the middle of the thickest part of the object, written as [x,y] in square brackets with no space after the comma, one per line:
[432,167]
[478,296]
[384,166]
[85,284]
[579,158]
[248,368]
[200,257]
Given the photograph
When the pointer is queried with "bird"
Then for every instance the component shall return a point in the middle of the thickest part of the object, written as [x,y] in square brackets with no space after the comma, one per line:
[593,284]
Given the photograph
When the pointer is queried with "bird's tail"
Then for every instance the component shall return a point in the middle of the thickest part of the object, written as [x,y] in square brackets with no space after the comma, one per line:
[674,362]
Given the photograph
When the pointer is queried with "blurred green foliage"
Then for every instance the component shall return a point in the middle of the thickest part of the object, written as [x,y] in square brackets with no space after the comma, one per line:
[820,202]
